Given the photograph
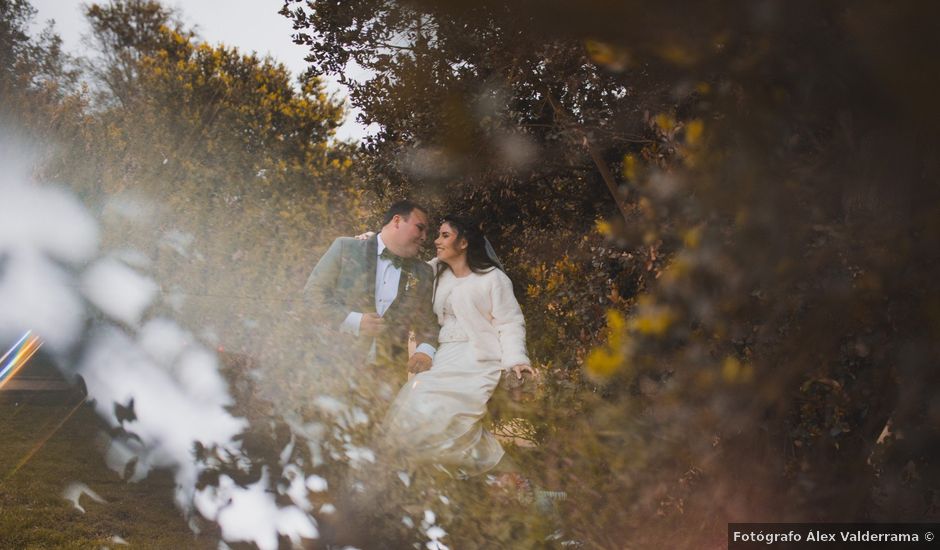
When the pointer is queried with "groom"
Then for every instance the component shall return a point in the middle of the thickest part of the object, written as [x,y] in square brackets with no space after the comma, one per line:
[373,292]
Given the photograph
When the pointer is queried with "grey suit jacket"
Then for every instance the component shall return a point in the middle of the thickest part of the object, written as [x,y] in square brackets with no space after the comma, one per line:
[344,281]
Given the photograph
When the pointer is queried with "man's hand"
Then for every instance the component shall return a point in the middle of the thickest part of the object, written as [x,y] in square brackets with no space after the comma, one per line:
[371,324]
[419,362]
[519,369]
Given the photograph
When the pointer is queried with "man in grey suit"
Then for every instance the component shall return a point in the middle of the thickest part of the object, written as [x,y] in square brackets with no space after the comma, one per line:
[369,294]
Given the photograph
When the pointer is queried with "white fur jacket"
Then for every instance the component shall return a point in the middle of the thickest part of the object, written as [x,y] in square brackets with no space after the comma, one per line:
[488,312]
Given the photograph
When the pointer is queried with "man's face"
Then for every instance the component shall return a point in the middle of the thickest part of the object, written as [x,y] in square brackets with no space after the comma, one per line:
[411,232]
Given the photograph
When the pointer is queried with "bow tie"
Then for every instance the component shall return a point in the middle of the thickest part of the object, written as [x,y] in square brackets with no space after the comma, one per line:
[396,260]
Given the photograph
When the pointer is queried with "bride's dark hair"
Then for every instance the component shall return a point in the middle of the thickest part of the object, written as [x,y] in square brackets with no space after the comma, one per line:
[478,259]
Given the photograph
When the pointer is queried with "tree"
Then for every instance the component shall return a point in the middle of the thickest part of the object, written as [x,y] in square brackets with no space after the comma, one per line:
[228,168]
[37,82]
[14,41]
[123,34]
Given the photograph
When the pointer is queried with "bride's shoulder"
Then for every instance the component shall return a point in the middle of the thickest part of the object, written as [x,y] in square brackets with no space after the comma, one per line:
[496,276]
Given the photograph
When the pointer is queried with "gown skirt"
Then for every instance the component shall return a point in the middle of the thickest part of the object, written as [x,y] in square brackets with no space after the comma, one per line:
[437,416]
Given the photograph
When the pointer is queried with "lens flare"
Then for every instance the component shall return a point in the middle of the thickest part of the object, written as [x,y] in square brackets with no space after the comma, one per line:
[17,356]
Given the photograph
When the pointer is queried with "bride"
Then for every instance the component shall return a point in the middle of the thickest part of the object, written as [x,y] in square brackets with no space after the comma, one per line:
[437,416]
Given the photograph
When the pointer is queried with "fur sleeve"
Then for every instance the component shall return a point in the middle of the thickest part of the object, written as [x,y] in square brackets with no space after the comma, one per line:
[509,322]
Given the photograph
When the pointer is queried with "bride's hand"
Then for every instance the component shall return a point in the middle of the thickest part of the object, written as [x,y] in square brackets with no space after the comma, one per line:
[419,362]
[364,236]
[519,369]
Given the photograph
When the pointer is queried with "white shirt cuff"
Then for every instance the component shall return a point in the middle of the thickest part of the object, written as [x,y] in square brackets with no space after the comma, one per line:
[351,324]
[426,349]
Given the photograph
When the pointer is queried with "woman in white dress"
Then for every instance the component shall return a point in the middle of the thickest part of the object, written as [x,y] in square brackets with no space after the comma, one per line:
[437,416]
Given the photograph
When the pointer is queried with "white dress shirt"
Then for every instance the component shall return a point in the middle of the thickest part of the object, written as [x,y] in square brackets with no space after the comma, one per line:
[387,277]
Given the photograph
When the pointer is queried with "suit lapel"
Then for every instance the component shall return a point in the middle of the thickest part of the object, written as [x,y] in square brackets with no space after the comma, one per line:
[402,279]
[371,259]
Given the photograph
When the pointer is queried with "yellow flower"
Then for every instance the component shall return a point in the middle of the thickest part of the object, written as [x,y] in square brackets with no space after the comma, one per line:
[601,363]
[693,132]
[692,237]
[616,59]
[733,372]
[655,321]
[629,167]
[677,55]
[610,357]
[665,122]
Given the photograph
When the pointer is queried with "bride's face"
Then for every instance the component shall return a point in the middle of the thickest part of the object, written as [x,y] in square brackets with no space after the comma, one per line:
[449,246]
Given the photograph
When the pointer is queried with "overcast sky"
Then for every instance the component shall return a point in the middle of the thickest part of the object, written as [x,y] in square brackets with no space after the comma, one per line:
[250,25]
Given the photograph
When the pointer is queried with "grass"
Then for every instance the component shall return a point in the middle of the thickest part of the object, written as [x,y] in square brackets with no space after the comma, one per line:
[34,515]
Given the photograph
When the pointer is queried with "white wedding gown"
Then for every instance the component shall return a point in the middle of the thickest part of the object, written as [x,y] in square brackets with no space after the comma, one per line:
[436,417]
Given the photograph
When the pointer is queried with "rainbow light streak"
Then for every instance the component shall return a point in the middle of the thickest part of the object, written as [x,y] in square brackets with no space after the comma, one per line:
[17,357]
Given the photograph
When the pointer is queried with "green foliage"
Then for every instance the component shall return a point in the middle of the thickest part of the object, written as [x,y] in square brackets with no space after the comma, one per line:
[214,164]
[124,33]
[14,40]
[769,239]
[721,221]
[37,82]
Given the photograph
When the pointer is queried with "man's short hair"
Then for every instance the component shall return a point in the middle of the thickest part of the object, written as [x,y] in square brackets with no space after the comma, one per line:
[403,209]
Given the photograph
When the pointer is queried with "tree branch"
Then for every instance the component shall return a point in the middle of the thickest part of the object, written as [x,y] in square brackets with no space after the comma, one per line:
[602,167]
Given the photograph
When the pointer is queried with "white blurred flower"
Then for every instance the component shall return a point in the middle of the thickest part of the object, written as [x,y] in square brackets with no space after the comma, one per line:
[118,291]
[74,492]
[316,483]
